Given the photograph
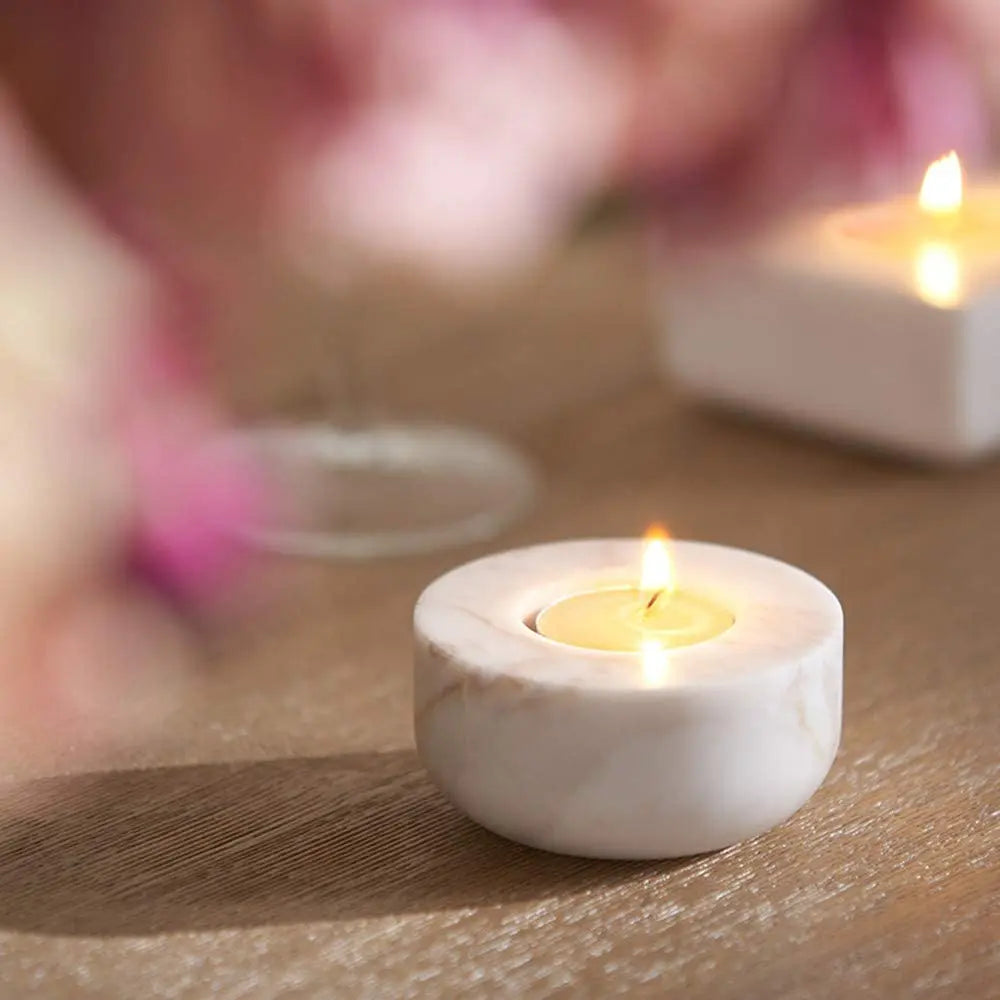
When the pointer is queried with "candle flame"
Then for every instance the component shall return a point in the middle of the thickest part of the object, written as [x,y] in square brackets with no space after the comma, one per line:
[942,192]
[938,275]
[657,564]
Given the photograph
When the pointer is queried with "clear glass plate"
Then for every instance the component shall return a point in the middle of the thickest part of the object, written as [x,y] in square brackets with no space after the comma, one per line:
[384,489]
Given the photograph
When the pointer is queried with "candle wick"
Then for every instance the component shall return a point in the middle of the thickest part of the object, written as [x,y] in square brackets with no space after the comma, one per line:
[656,596]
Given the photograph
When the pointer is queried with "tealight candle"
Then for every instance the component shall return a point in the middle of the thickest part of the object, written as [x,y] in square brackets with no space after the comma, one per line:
[880,323]
[941,237]
[567,699]
[941,215]
[631,619]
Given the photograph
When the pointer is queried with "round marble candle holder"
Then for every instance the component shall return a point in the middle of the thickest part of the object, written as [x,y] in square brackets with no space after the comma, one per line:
[621,755]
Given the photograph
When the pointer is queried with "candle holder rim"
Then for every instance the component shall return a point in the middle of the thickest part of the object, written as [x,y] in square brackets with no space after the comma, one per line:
[515,650]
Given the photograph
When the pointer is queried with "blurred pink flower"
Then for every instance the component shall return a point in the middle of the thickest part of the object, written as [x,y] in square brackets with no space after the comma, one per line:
[862,95]
[100,373]
[462,135]
[192,496]
[475,132]
[458,136]
[103,438]
[67,298]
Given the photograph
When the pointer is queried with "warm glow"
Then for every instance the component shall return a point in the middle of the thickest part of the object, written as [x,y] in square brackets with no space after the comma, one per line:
[655,662]
[938,275]
[657,565]
[942,190]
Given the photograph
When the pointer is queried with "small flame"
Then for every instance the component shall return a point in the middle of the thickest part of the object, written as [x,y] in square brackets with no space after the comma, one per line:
[938,275]
[942,191]
[655,663]
[657,565]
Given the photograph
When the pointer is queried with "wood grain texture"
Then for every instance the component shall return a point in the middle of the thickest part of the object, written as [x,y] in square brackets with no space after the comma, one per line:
[282,841]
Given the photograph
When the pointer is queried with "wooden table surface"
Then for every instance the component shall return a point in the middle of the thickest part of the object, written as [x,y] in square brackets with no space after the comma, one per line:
[281,839]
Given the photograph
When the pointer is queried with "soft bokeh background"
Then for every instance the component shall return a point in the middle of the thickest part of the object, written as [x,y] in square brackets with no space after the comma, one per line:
[204,203]
[207,774]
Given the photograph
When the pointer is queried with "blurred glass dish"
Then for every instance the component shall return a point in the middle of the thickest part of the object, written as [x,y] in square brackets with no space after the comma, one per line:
[351,478]
[384,489]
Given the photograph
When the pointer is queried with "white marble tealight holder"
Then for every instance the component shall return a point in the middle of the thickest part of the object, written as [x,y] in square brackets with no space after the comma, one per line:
[817,327]
[655,754]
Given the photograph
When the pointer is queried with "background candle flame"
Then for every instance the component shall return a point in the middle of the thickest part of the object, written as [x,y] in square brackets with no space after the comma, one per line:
[942,192]
[657,563]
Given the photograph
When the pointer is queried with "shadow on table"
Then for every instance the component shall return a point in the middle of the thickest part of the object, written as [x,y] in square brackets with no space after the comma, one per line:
[263,843]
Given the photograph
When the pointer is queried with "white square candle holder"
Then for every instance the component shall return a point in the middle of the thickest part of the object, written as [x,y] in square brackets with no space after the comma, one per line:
[868,324]
[652,752]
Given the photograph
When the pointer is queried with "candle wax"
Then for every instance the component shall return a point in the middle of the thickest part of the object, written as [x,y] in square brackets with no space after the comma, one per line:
[624,619]
[899,230]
